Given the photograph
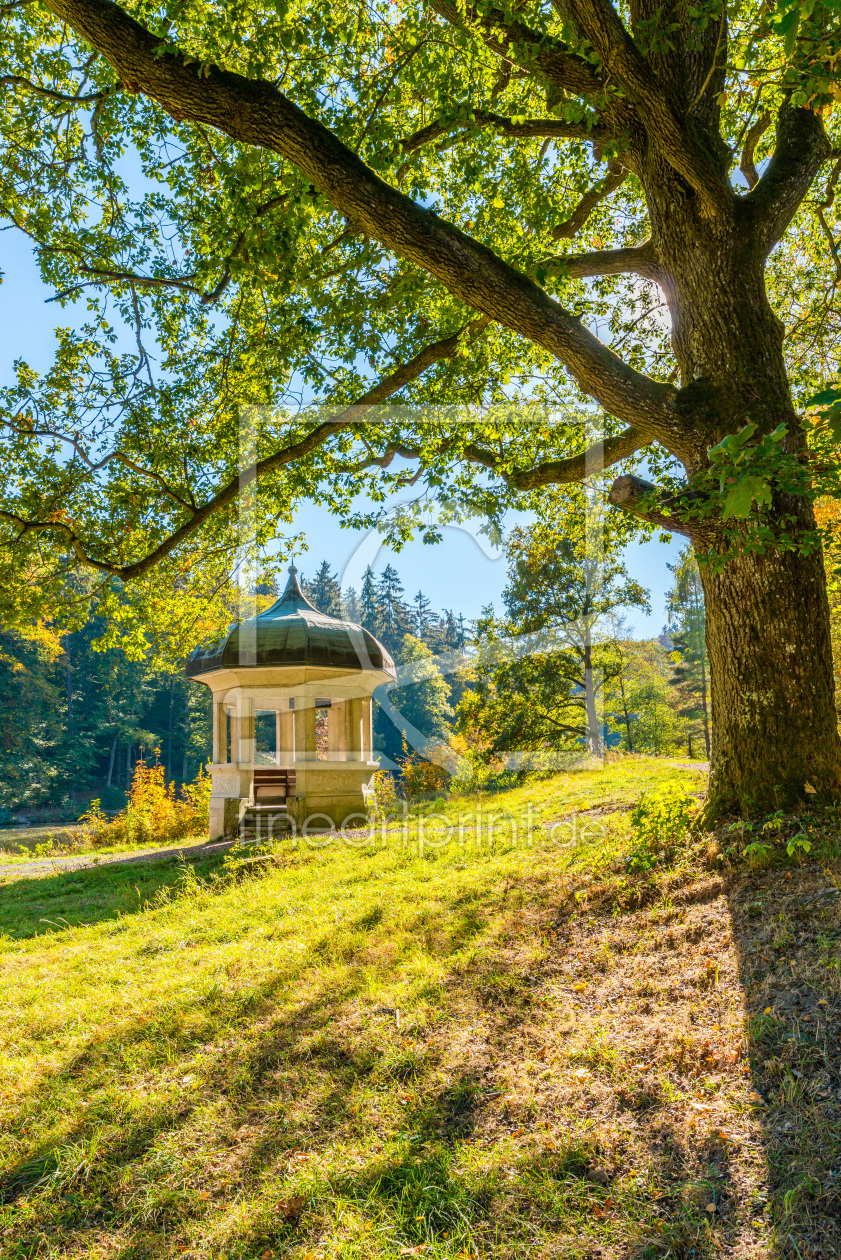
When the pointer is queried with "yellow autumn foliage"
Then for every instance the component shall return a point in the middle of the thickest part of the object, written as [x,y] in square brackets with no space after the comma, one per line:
[154,813]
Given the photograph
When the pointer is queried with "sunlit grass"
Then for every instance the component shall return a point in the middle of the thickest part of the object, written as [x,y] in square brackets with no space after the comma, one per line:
[370,1049]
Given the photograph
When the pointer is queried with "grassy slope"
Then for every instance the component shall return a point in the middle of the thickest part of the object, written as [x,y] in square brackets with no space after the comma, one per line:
[483,1048]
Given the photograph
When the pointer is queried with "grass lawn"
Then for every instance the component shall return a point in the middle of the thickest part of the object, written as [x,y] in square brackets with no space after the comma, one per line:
[499,1042]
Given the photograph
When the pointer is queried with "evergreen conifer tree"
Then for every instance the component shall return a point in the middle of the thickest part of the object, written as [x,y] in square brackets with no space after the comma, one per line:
[452,631]
[352,609]
[324,591]
[394,616]
[422,617]
[369,603]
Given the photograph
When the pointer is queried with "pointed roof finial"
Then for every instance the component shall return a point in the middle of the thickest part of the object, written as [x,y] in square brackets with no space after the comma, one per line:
[294,593]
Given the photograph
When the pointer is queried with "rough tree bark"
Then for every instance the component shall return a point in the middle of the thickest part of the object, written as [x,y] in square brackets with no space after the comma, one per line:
[773,713]
[774,721]
[775,731]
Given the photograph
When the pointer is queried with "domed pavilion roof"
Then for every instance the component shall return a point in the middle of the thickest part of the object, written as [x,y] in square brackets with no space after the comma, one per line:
[293,633]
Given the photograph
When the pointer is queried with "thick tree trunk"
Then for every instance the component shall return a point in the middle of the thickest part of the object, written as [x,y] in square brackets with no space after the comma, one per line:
[774,727]
[775,737]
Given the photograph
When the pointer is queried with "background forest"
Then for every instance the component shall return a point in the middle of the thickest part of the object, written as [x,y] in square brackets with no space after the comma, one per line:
[75,717]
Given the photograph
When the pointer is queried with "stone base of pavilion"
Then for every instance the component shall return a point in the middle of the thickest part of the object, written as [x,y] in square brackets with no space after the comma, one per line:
[325,793]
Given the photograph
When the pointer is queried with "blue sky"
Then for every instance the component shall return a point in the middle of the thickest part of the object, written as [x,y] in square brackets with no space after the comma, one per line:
[462,573]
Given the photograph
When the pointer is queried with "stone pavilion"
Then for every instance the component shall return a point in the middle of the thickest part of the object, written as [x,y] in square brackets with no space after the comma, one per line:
[292,721]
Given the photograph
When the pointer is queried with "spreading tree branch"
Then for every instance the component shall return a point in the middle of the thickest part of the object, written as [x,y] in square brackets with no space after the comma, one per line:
[100,275]
[95,466]
[620,56]
[399,65]
[185,283]
[16,80]
[643,499]
[403,375]
[616,175]
[257,113]
[563,471]
[519,44]
[820,211]
[588,463]
[802,146]
[529,128]
[640,260]
[755,134]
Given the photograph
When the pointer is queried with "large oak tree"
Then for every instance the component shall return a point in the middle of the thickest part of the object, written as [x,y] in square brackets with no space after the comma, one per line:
[436,203]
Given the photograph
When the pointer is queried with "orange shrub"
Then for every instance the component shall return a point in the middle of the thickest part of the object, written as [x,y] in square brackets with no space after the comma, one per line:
[153,813]
[419,776]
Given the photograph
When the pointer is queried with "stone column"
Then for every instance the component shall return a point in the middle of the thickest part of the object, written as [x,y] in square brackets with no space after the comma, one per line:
[245,731]
[337,732]
[304,729]
[285,737]
[216,740]
[354,743]
[226,754]
[367,729]
[233,717]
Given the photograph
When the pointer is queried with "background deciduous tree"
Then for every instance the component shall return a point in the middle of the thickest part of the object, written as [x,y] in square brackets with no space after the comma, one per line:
[640,704]
[542,673]
[687,626]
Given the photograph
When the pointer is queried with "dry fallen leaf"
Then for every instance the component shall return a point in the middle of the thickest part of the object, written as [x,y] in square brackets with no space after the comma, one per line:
[599,1176]
[710,1208]
[757,1098]
[291,1207]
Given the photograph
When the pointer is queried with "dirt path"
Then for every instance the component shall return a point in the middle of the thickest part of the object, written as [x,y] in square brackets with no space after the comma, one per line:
[54,865]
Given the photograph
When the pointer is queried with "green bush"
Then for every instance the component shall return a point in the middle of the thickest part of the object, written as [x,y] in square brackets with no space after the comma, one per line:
[659,823]
[386,795]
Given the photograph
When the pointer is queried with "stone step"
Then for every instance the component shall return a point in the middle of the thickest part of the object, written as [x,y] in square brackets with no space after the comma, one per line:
[262,825]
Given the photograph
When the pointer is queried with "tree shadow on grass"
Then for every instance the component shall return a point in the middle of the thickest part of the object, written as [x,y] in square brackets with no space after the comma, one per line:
[495,1127]
[787,929]
[274,1088]
[251,1054]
